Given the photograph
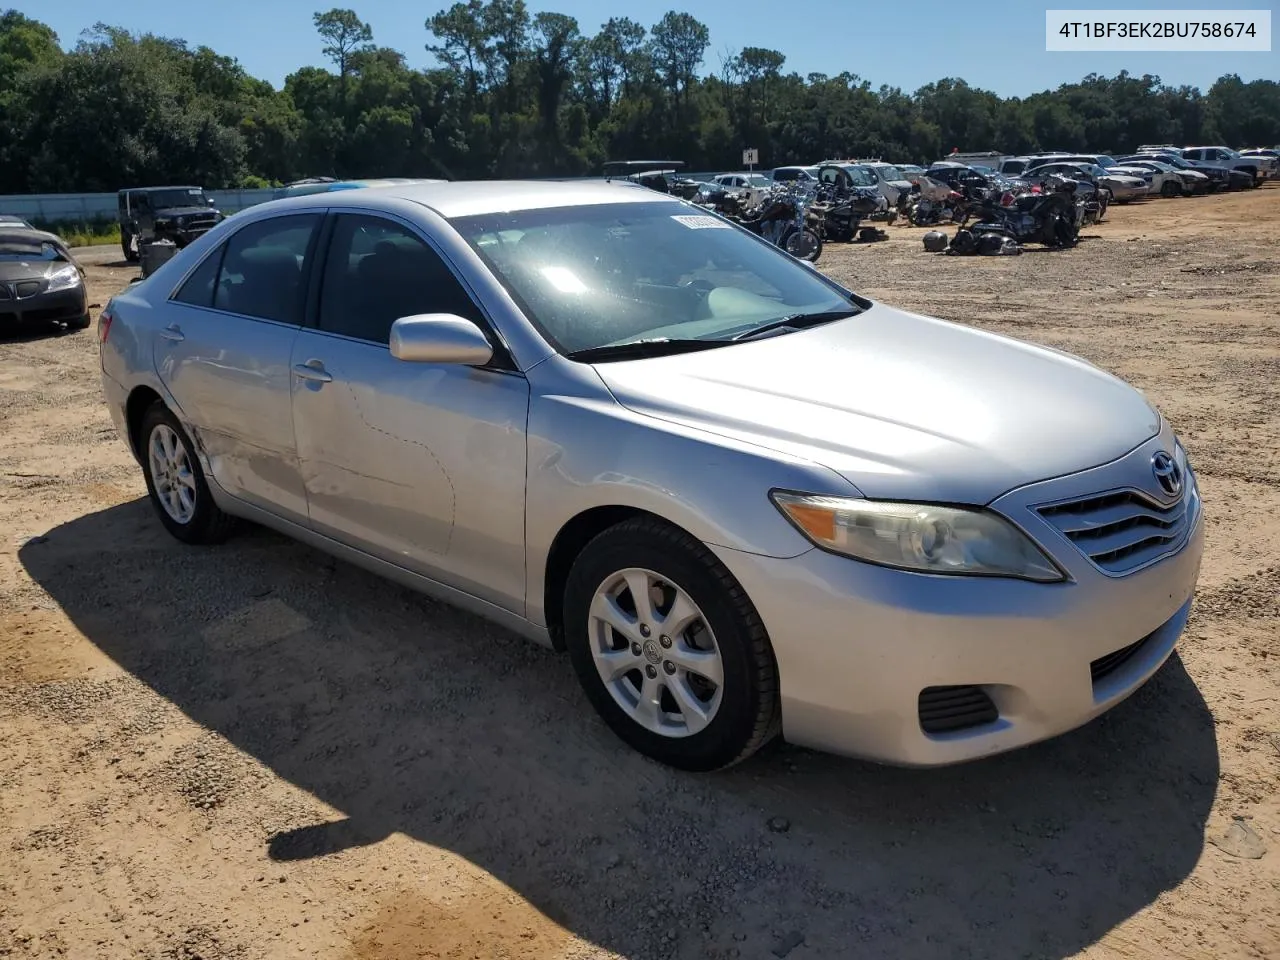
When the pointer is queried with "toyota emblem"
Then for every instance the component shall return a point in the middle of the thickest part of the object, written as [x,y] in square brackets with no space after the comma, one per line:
[1167,472]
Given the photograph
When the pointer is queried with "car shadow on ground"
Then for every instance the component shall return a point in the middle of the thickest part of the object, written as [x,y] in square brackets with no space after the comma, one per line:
[30,333]
[411,717]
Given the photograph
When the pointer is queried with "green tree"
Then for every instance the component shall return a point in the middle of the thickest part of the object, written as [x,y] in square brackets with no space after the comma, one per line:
[344,34]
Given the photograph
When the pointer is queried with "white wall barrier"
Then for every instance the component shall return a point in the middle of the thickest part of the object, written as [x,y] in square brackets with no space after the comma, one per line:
[86,207]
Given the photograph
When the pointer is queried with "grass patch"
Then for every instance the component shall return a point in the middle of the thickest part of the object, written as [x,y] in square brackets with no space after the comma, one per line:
[80,233]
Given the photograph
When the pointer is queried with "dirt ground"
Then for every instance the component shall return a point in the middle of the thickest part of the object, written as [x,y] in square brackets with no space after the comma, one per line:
[257,752]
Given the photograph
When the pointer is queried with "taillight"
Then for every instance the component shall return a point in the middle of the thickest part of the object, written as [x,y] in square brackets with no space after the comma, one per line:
[104,323]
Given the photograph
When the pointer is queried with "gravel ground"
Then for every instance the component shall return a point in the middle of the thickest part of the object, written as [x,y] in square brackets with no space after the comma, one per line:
[258,752]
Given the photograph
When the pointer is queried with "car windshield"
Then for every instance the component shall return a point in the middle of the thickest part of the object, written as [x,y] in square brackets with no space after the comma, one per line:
[891,172]
[599,275]
[13,249]
[861,176]
[1106,161]
[178,197]
[758,180]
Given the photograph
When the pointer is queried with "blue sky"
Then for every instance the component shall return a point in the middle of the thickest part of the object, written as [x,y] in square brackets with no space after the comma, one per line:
[994,44]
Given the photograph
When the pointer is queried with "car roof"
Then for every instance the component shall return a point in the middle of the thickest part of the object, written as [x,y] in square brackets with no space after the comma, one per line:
[176,186]
[477,197]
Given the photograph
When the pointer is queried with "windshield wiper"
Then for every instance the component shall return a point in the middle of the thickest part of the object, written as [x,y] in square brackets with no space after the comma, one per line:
[638,349]
[799,321]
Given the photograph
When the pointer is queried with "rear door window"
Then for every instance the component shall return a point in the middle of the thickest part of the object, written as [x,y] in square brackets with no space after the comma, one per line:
[262,269]
[197,289]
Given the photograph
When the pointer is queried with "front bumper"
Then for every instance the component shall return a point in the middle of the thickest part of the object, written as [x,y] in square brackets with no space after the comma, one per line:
[60,306]
[857,644]
[1128,191]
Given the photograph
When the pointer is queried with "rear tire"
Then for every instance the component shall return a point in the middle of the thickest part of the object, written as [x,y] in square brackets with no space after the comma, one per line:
[176,481]
[656,665]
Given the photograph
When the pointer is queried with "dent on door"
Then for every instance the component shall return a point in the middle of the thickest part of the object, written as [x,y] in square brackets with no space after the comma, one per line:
[236,401]
[418,463]
[369,469]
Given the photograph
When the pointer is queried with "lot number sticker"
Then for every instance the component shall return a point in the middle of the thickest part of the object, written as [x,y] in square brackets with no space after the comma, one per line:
[701,222]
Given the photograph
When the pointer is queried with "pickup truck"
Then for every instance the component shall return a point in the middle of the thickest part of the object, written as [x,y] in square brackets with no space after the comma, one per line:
[1263,154]
[1259,167]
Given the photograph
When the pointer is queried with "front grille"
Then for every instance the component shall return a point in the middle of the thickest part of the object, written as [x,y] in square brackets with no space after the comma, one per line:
[1123,531]
[1103,667]
[26,288]
[948,709]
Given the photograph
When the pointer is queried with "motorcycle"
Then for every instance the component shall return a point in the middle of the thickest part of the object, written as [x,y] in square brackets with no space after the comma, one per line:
[785,219]
[1050,217]
[931,202]
[842,211]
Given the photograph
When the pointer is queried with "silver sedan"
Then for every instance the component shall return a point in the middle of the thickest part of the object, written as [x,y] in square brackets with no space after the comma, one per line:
[745,500]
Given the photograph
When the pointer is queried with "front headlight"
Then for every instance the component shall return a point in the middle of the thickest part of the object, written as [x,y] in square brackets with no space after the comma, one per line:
[64,278]
[918,536]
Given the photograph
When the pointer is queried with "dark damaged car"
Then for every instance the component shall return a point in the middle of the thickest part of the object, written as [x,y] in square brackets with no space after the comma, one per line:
[180,214]
[41,283]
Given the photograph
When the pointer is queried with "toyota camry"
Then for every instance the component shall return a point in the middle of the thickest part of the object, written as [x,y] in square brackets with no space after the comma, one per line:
[745,500]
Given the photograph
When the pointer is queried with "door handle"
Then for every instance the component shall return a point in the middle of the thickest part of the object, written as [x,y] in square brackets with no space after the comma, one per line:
[314,370]
[173,332]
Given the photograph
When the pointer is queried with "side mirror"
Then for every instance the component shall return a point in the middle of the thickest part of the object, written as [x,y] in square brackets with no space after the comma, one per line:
[439,338]
[211,201]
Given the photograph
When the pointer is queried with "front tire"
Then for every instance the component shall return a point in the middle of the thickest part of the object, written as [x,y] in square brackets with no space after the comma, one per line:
[669,649]
[176,481]
[803,244]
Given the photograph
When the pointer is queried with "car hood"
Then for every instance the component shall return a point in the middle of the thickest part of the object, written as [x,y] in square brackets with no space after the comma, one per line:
[902,406]
[1209,166]
[183,211]
[33,269]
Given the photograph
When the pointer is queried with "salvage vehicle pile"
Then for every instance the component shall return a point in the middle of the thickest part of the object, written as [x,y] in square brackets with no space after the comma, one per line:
[1044,199]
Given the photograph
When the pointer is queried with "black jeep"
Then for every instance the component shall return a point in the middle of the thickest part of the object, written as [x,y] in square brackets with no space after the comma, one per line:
[179,214]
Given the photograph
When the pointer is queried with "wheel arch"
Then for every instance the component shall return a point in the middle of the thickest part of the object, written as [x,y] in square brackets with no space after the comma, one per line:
[568,543]
[140,400]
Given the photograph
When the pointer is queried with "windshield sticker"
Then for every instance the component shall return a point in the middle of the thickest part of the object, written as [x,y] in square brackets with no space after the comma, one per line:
[701,222]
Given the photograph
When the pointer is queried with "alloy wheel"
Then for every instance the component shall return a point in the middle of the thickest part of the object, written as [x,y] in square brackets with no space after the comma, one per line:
[655,653]
[171,474]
